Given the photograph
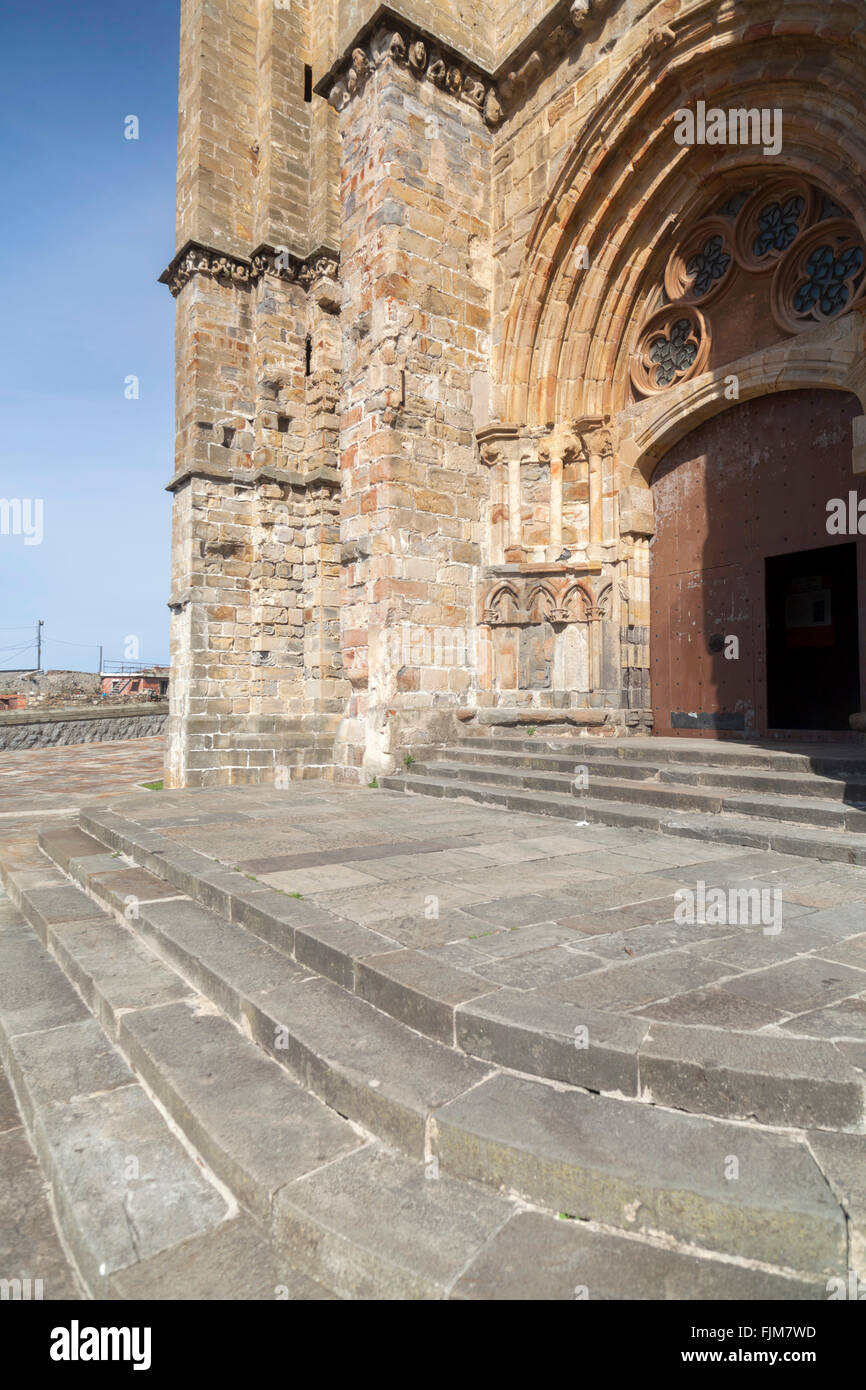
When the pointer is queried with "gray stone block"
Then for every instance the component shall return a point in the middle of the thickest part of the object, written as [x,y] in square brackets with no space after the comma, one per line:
[532,1033]
[254,1126]
[777,1081]
[64,1064]
[335,947]
[139,1191]
[221,959]
[647,1170]
[30,1247]
[842,1158]
[34,992]
[376,1226]
[537,1257]
[235,1261]
[361,1062]
[420,991]
[112,970]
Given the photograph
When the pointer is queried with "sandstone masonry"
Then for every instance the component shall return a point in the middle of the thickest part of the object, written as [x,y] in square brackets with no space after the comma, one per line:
[437,321]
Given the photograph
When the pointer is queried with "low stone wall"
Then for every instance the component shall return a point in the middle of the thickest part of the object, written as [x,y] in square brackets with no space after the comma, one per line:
[41,728]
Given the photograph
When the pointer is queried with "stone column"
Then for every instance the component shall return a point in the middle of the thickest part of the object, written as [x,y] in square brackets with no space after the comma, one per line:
[554,549]
[514,550]
[414,499]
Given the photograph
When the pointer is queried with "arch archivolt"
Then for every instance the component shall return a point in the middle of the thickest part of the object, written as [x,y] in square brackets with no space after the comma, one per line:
[626,189]
[594,383]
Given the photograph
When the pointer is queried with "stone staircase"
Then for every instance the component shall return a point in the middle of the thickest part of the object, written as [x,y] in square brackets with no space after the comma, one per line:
[227,1101]
[806,800]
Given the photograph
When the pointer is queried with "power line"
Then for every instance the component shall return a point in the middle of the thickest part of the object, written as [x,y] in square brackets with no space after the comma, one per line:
[89,646]
[19,647]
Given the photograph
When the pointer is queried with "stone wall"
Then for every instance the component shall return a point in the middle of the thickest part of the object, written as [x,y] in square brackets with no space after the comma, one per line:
[418,407]
[416,276]
[46,728]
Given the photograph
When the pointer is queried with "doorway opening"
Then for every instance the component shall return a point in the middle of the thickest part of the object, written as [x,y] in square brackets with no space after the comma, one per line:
[813,659]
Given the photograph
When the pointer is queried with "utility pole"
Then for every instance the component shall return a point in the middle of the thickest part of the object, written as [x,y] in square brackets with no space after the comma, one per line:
[39,626]
[99,669]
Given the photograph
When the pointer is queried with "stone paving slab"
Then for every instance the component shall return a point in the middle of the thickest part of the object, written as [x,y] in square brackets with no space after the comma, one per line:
[373,1226]
[234,1261]
[611,942]
[253,1125]
[541,1258]
[30,1248]
[363,1063]
[843,1159]
[38,782]
[139,1190]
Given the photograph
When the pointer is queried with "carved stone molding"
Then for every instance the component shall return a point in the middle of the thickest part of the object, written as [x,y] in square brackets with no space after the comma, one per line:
[319,268]
[568,440]
[253,477]
[524,600]
[391,36]
[409,47]
[197,259]
[558,32]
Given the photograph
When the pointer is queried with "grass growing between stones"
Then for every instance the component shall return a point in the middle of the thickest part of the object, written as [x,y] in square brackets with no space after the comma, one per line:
[151,786]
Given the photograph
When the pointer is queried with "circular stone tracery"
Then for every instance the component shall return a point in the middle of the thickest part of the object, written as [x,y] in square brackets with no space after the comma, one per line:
[699,267]
[824,276]
[674,345]
[789,229]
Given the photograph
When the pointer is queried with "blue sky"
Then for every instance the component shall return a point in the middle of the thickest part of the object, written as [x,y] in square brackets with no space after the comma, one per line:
[87,227]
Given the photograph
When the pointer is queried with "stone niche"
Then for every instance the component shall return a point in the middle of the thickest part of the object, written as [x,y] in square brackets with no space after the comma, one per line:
[553,632]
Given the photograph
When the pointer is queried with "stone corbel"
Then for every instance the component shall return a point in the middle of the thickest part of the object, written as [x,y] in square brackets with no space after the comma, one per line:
[518,80]
[395,40]
[636,512]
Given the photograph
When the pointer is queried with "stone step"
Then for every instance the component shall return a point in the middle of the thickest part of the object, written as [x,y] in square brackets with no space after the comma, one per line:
[832,845]
[264,1135]
[374,1225]
[608,1161]
[774,1081]
[794,784]
[665,794]
[141,1217]
[726,1188]
[825,759]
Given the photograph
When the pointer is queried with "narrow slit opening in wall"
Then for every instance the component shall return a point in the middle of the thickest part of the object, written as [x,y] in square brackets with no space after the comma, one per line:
[308,82]
[308,364]
[403,388]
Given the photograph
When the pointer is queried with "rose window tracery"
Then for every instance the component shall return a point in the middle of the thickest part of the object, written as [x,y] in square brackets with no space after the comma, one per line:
[674,355]
[708,264]
[789,230]
[779,224]
[827,287]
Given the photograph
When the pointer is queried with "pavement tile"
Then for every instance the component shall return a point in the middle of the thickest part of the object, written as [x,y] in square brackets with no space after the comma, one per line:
[799,985]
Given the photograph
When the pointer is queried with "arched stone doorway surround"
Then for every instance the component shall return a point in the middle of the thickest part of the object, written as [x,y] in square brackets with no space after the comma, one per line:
[596,267]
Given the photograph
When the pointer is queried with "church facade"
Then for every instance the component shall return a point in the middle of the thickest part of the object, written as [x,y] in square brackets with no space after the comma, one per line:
[521,369]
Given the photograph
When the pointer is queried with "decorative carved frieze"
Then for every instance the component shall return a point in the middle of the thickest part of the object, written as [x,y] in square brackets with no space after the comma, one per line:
[322,266]
[578,439]
[196,259]
[523,600]
[394,38]
[431,62]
